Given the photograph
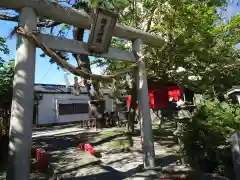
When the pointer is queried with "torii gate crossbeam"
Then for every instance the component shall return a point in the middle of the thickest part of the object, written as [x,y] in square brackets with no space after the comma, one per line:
[79,18]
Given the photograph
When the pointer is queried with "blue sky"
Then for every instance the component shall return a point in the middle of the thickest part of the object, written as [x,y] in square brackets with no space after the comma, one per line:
[48,73]
[45,72]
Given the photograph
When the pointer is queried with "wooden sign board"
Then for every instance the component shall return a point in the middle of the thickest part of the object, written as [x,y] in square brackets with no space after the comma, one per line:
[101,31]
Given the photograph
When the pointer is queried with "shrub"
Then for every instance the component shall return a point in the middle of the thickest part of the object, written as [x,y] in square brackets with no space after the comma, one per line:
[6,79]
[206,137]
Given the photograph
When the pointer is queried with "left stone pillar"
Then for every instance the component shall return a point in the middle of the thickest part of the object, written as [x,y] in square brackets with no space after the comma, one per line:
[22,101]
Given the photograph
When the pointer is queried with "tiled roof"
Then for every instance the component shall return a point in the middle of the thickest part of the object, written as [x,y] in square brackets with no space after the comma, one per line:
[51,88]
[233,89]
[54,88]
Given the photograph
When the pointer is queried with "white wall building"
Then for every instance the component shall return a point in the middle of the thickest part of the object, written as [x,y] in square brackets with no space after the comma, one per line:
[58,105]
[234,94]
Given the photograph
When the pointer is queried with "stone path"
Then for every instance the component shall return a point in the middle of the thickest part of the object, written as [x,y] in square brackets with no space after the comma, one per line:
[126,164]
[66,164]
[33,176]
[114,164]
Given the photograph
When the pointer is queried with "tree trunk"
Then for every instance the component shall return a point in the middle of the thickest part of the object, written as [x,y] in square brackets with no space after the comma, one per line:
[97,104]
[82,59]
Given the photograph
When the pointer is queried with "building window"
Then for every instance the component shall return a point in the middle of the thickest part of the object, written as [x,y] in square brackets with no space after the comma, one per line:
[81,108]
[65,109]
[77,108]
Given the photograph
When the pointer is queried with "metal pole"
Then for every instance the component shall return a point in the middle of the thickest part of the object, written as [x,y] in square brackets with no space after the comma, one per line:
[148,145]
[236,153]
[22,101]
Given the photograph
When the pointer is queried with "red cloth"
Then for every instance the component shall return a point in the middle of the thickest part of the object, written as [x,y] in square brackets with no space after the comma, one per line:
[128,101]
[39,153]
[43,158]
[175,93]
[86,147]
[151,98]
[159,97]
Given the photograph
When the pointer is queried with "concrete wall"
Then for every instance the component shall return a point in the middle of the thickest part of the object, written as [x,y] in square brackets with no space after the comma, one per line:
[47,109]
[109,104]
[72,117]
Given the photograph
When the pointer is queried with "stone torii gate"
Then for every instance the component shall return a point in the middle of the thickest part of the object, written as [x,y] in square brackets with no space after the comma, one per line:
[23,87]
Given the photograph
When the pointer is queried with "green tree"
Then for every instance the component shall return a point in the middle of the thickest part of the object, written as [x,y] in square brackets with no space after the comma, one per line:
[196,39]
[6,90]
[199,49]
[197,43]
[198,46]
[6,76]
[6,79]
[3,48]
[206,137]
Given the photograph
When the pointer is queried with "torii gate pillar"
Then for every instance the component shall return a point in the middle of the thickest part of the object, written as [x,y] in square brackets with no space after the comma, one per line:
[146,121]
[22,102]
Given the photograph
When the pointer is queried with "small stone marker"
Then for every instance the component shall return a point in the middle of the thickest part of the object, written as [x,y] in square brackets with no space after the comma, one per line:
[236,153]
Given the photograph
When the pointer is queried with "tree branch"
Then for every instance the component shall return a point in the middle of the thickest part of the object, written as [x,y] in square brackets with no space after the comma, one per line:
[81,59]
[57,59]
[8,18]
[45,23]
[48,24]
[150,19]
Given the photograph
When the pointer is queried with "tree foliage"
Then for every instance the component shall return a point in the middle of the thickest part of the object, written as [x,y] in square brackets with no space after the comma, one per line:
[207,137]
[6,79]
[198,46]
[3,48]
[199,49]
[6,76]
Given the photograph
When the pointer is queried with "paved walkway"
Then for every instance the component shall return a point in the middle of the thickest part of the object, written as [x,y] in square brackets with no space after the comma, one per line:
[114,164]
[70,130]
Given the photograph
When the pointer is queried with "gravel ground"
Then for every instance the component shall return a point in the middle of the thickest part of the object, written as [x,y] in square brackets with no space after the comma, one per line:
[33,176]
[115,163]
